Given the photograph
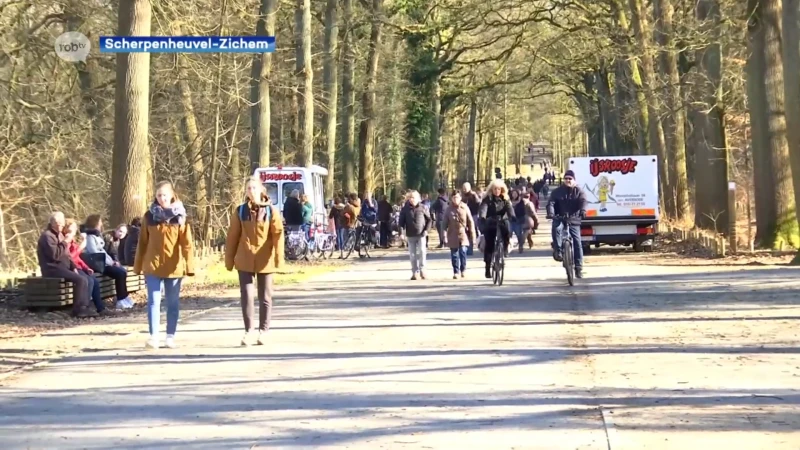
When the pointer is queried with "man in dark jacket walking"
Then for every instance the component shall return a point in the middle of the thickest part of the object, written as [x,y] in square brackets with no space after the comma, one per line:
[384,221]
[416,220]
[473,201]
[437,214]
[568,200]
[55,262]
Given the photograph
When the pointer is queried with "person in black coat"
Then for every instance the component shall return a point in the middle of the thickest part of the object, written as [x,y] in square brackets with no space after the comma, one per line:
[496,214]
[293,210]
[568,200]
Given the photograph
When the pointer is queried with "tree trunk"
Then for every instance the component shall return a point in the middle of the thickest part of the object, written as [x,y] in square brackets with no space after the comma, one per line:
[331,82]
[349,98]
[471,138]
[675,119]
[305,83]
[791,70]
[781,226]
[260,112]
[366,183]
[635,82]
[131,164]
[708,127]
[435,161]
[756,102]
[193,143]
[605,105]
[655,130]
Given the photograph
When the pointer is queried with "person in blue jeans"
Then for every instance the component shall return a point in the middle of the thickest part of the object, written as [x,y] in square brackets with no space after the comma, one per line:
[568,200]
[165,255]
[460,230]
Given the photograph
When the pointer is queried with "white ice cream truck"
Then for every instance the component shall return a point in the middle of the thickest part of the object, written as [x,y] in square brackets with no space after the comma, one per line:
[622,192]
[280,181]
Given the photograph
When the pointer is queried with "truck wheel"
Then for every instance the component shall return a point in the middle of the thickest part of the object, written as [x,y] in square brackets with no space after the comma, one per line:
[637,247]
[648,248]
[587,249]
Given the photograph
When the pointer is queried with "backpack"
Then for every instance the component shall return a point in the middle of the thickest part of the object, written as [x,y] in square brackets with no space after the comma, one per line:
[244,213]
[519,211]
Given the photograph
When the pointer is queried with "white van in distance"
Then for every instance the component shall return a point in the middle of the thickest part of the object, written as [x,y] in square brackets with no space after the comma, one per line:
[280,181]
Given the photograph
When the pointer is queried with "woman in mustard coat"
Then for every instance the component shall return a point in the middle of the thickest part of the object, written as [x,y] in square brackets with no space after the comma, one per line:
[255,248]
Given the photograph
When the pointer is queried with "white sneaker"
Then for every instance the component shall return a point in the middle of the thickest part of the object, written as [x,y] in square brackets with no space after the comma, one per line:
[170,342]
[262,337]
[152,343]
[244,339]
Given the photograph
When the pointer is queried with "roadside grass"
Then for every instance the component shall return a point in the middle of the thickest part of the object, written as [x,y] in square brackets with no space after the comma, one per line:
[293,272]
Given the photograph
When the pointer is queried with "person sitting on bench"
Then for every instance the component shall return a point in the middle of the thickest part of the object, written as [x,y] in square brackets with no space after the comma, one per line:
[54,261]
[75,249]
[101,262]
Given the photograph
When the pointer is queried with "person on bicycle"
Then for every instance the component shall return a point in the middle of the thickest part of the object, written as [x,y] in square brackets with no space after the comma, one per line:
[568,200]
[495,215]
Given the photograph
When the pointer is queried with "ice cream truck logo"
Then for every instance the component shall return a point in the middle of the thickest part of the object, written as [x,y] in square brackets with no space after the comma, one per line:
[623,166]
[280,176]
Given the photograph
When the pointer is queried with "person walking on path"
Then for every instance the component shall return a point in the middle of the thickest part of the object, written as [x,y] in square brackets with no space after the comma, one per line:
[165,255]
[473,201]
[255,247]
[385,221]
[460,229]
[52,251]
[437,214]
[416,221]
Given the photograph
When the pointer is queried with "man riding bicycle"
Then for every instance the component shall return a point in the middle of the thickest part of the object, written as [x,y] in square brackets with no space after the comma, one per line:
[495,214]
[568,200]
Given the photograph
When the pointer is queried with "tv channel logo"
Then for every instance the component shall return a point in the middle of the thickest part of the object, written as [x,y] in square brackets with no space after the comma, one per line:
[73,47]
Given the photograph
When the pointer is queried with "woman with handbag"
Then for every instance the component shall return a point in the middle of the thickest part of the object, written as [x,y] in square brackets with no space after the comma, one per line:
[460,230]
[255,247]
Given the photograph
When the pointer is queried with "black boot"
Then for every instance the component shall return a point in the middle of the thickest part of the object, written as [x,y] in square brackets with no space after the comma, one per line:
[488,271]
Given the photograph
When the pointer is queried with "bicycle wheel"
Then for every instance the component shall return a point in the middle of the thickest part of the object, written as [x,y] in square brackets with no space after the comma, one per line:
[350,243]
[569,263]
[330,246]
[501,267]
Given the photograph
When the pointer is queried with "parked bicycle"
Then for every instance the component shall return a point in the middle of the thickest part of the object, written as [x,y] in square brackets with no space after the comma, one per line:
[362,239]
[296,244]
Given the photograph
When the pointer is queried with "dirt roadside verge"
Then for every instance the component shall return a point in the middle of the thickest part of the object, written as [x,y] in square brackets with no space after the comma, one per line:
[29,339]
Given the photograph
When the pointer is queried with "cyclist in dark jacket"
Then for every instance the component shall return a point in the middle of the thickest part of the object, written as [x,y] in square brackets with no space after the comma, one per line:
[495,215]
[568,200]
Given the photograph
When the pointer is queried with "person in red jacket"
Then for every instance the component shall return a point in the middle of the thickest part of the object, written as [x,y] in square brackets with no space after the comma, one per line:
[75,249]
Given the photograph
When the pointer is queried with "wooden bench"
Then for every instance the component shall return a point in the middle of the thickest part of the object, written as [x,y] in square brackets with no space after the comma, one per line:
[42,292]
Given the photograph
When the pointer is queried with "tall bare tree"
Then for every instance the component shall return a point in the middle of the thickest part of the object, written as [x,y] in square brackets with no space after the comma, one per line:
[778,224]
[708,124]
[131,181]
[655,130]
[331,82]
[306,81]
[349,100]
[791,83]
[675,117]
[366,141]
[260,114]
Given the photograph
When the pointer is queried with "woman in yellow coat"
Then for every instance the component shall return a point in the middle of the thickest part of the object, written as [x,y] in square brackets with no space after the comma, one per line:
[255,248]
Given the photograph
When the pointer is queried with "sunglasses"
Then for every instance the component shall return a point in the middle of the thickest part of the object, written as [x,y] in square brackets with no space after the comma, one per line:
[568,178]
